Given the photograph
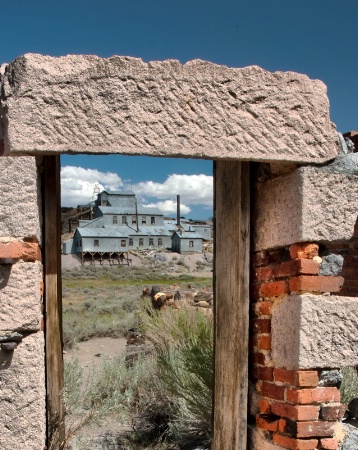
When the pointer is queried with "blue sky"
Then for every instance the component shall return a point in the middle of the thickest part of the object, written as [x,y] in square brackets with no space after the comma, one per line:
[316,37]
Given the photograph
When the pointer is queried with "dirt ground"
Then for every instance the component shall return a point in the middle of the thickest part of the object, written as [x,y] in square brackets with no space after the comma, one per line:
[95,350]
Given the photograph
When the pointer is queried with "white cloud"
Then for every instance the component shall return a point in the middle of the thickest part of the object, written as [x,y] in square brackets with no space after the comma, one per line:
[77,184]
[193,189]
[170,207]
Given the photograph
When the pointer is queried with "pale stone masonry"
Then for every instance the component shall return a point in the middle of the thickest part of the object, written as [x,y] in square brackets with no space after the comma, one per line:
[84,103]
[22,373]
[301,327]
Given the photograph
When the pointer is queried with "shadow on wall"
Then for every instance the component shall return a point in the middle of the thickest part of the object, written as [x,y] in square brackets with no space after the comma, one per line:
[5,271]
[348,250]
[5,359]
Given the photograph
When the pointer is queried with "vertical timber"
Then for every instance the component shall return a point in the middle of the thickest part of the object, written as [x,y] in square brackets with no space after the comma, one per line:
[53,304]
[231,310]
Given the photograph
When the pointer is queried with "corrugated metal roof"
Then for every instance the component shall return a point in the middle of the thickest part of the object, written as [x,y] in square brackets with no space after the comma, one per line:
[103,232]
[90,222]
[126,210]
[123,231]
[151,231]
[188,235]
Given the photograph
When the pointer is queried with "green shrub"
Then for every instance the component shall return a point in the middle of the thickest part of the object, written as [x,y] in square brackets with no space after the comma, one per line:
[183,341]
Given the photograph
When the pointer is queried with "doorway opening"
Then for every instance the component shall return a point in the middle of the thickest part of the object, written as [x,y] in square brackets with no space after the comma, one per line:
[231,281]
[127,225]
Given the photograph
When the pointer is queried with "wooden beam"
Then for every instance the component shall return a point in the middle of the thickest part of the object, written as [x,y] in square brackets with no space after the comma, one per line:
[53,304]
[231,306]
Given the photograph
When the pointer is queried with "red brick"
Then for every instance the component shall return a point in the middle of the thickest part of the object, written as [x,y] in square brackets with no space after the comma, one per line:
[308,396]
[272,390]
[295,444]
[306,250]
[260,358]
[267,422]
[260,259]
[296,267]
[287,269]
[273,289]
[263,308]
[269,290]
[263,341]
[284,375]
[264,406]
[298,378]
[261,325]
[332,411]
[295,412]
[317,428]
[306,378]
[316,283]
[263,273]
[263,373]
[329,444]
[27,251]
[282,425]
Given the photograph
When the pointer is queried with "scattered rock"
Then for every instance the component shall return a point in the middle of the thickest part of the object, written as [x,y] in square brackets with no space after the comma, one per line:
[330,378]
[350,441]
[332,265]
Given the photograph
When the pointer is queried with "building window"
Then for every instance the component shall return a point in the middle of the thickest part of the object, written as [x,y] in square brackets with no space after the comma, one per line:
[152,220]
[134,220]
[151,241]
[115,220]
[141,243]
[144,220]
[96,243]
[191,243]
[160,242]
[123,242]
[124,220]
[130,242]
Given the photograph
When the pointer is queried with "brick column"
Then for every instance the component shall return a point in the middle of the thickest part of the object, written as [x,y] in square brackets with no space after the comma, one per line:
[298,409]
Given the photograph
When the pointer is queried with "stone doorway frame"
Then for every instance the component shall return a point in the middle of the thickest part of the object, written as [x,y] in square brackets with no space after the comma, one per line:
[86,104]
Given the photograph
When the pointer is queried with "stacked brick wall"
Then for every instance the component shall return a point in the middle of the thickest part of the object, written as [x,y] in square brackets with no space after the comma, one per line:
[349,251]
[296,407]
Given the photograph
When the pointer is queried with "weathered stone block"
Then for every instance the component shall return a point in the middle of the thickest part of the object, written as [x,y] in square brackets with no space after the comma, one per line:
[84,103]
[22,395]
[315,331]
[308,205]
[20,296]
[20,200]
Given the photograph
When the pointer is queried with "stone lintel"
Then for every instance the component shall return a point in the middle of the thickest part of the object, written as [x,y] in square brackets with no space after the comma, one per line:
[87,104]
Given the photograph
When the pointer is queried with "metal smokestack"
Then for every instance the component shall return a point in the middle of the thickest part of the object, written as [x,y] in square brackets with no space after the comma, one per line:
[178,211]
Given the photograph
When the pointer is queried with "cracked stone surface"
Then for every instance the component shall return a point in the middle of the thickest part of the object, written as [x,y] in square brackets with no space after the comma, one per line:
[315,331]
[307,205]
[22,395]
[20,201]
[20,297]
[80,103]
